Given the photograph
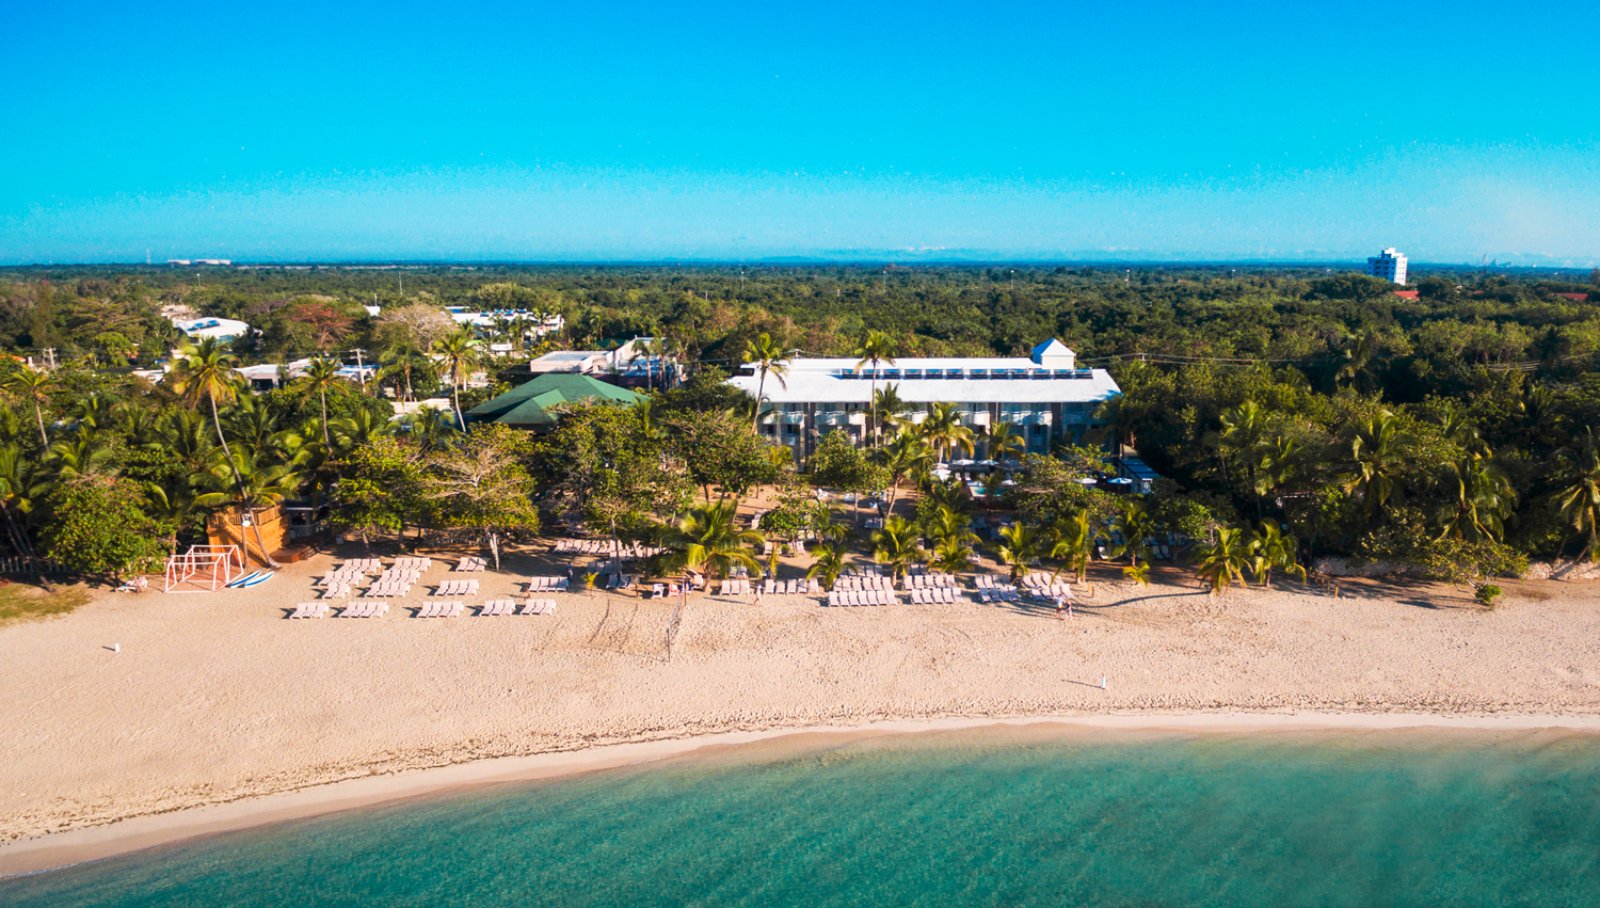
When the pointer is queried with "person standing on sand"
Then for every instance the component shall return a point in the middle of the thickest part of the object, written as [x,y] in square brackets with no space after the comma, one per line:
[758,594]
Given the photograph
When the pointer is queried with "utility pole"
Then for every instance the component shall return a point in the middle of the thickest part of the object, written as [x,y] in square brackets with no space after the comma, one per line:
[50,354]
[361,373]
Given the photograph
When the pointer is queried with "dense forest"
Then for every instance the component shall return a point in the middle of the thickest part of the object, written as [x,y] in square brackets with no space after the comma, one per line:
[1449,428]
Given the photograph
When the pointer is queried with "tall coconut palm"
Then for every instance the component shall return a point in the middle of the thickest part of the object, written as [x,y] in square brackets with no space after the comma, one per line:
[945,431]
[319,378]
[404,364]
[769,358]
[1222,561]
[874,348]
[1379,449]
[35,385]
[907,457]
[1136,525]
[1021,546]
[897,545]
[457,353]
[1579,498]
[204,372]
[1269,550]
[1243,434]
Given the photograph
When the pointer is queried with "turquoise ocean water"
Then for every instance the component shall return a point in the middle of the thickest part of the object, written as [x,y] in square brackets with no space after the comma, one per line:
[971,818]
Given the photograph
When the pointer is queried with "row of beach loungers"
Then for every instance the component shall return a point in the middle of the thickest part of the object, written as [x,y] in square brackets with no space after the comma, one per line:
[542,584]
[372,609]
[929,581]
[937,595]
[471,564]
[862,597]
[457,588]
[997,594]
[772,587]
[394,583]
[604,547]
[852,584]
[739,586]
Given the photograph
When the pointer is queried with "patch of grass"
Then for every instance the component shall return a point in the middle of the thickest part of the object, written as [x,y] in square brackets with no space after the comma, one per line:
[24,602]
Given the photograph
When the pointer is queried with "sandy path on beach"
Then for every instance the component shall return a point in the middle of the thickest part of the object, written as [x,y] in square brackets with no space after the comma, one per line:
[216,697]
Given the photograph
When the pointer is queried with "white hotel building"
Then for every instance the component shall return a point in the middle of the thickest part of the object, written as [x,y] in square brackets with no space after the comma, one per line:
[1044,395]
[1390,265]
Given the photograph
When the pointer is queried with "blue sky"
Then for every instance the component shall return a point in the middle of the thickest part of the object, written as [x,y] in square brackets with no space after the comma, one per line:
[724,130]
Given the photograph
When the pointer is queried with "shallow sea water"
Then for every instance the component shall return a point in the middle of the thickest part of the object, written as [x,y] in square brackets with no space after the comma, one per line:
[984,817]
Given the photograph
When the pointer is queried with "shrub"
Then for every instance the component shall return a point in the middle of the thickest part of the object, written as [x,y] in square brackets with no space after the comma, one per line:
[1487,594]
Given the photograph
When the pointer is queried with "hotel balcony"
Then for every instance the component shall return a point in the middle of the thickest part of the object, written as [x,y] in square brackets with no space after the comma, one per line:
[834,419]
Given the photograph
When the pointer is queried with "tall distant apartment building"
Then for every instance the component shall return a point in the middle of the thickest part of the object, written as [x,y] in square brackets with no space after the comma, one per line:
[1391,265]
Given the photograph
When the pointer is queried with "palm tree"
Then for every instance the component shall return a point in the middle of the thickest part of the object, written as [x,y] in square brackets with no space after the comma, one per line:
[20,484]
[874,348]
[173,502]
[906,456]
[458,353]
[828,564]
[405,362]
[1579,500]
[897,545]
[205,372]
[1222,561]
[945,431]
[1074,543]
[1277,463]
[708,539]
[1243,432]
[888,407]
[359,428]
[320,375]
[1136,525]
[1269,550]
[769,358]
[1483,499]
[1020,546]
[79,454]
[953,539]
[34,384]
[431,428]
[1002,441]
[1358,364]
[257,485]
[1379,448]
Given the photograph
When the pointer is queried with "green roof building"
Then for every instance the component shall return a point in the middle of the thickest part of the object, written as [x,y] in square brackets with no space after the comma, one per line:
[528,405]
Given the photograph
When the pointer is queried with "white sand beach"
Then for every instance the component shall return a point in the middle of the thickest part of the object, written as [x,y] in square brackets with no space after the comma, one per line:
[216,698]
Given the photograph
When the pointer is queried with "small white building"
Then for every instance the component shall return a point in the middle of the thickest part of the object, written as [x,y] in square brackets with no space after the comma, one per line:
[221,329]
[1044,395]
[582,362]
[1390,265]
